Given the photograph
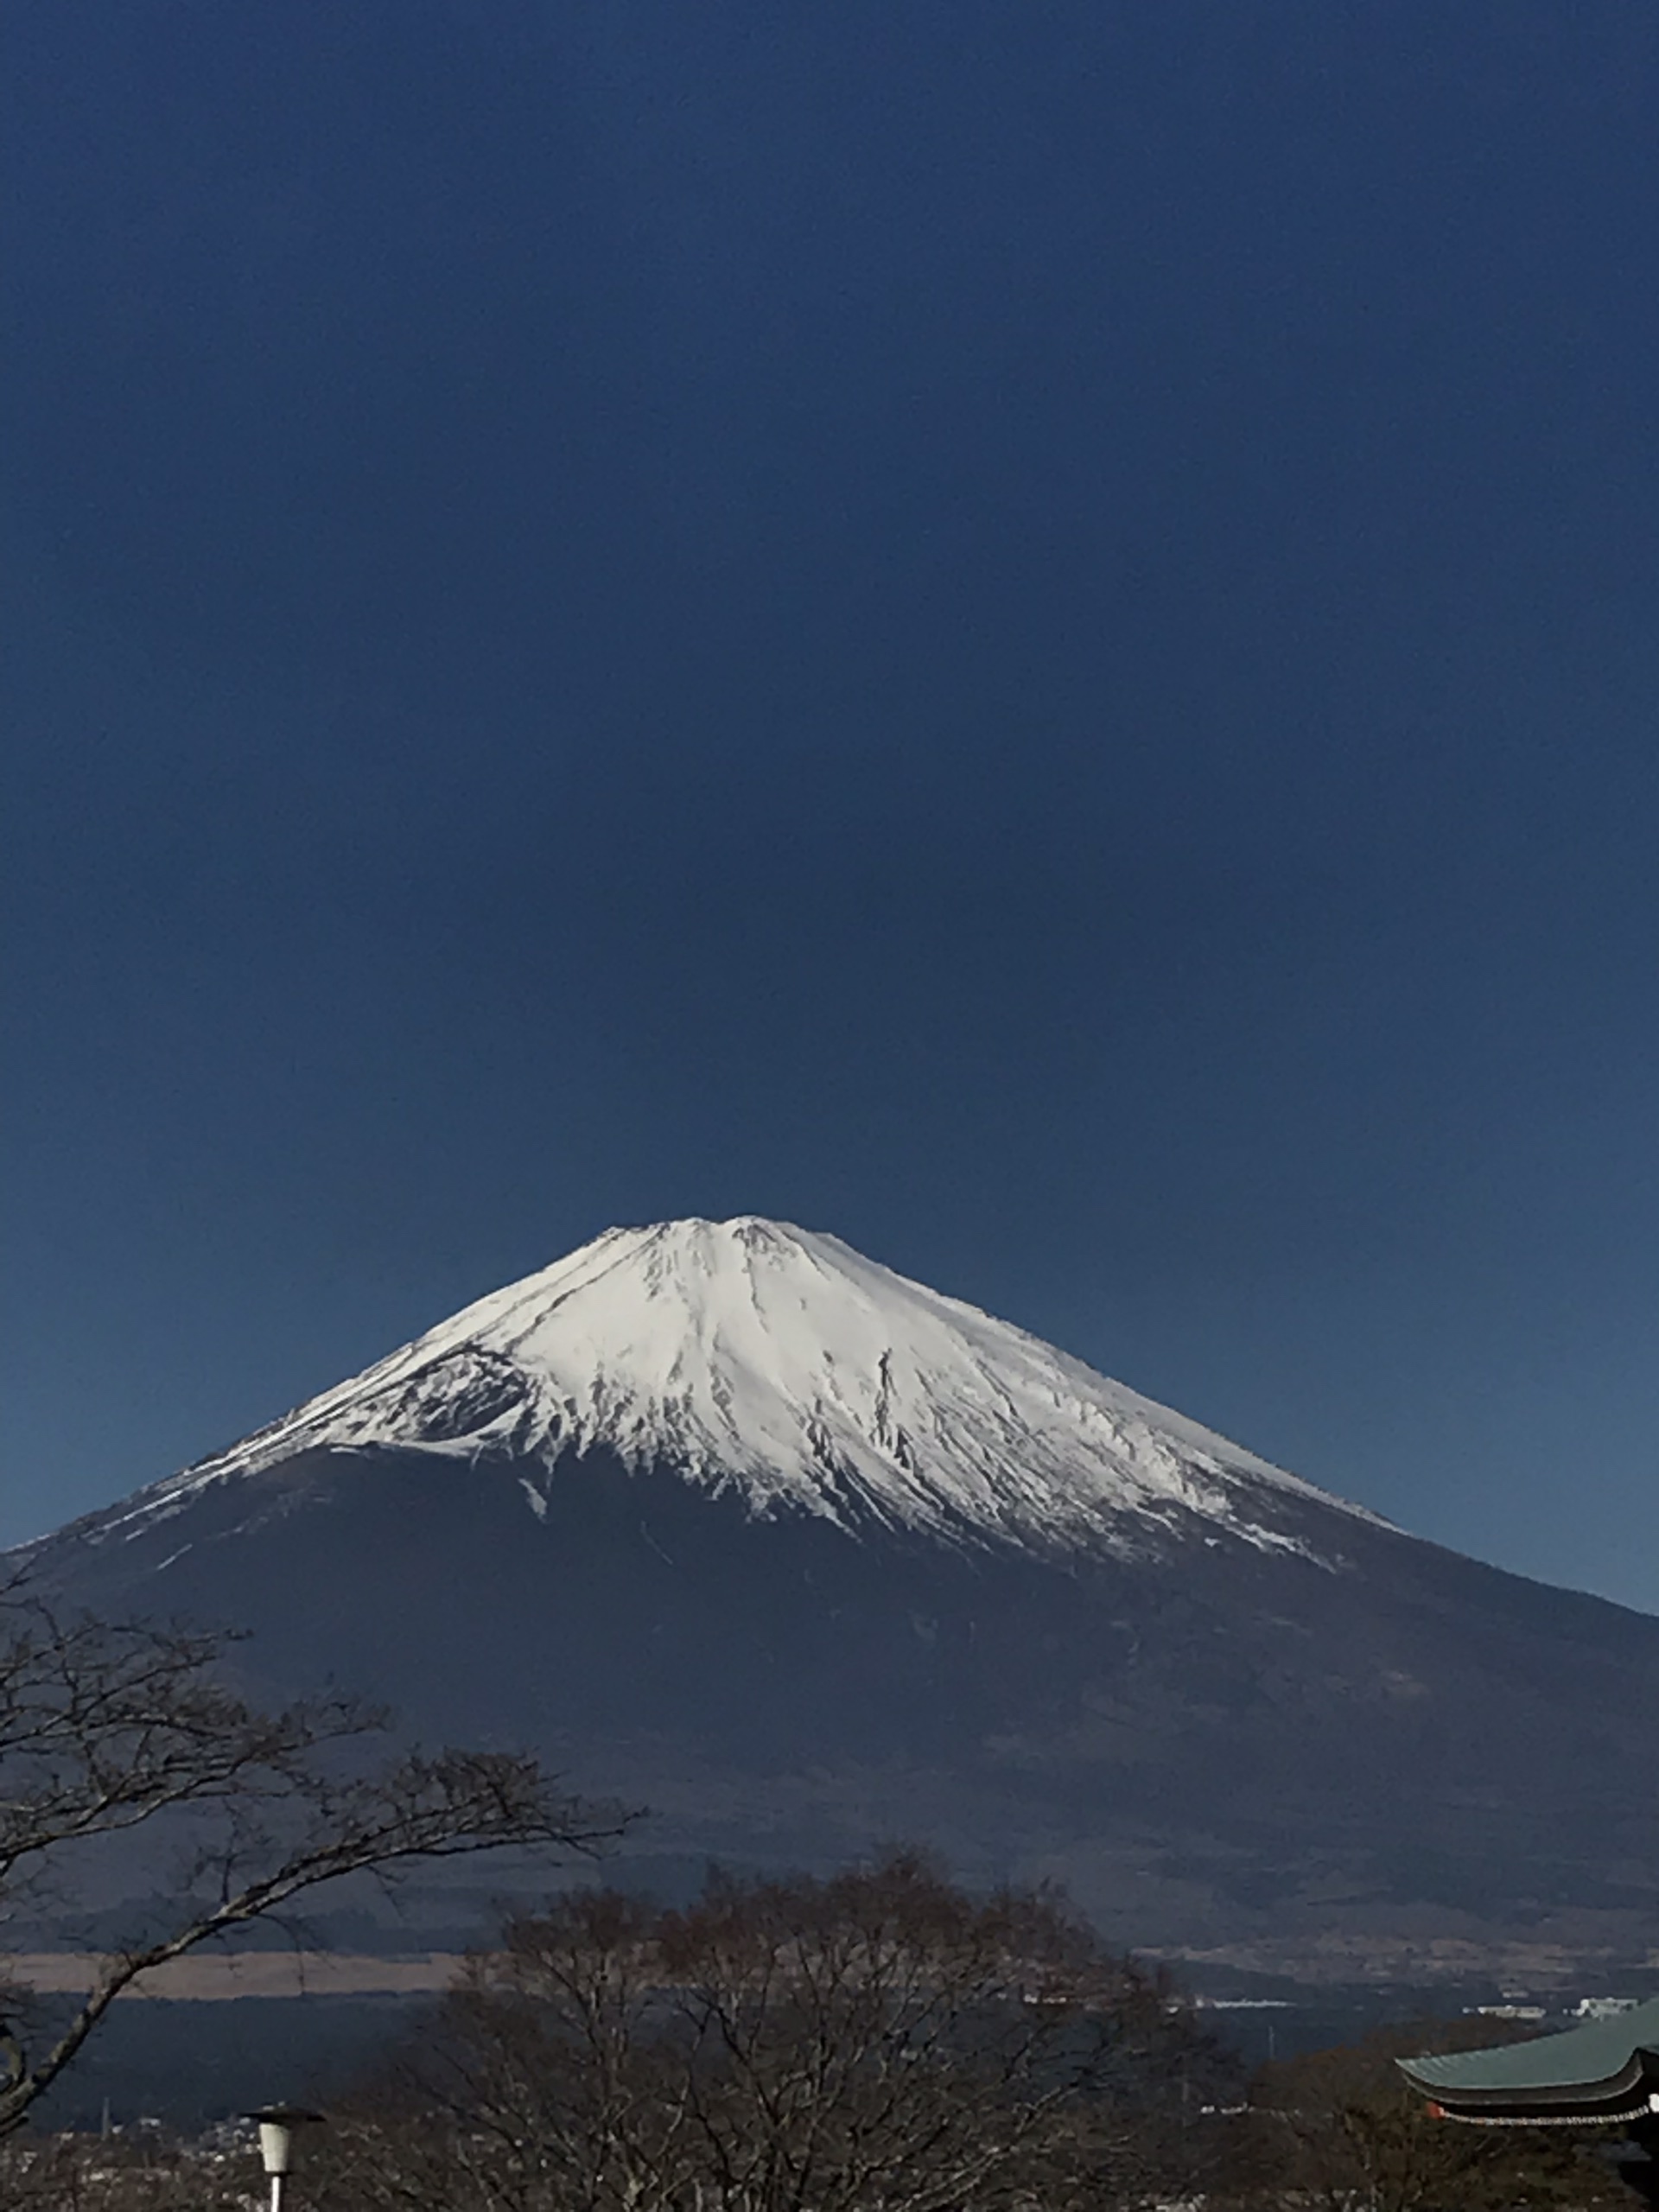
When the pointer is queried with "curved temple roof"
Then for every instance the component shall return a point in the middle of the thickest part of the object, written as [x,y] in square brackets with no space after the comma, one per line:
[1605,2071]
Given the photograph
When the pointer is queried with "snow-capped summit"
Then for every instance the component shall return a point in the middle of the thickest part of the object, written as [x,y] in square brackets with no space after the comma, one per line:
[753,1356]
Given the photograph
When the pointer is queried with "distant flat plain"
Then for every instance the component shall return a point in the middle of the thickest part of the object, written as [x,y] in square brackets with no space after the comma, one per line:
[249,1973]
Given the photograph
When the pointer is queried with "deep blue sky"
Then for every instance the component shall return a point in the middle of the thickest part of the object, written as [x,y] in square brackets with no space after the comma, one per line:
[1026,632]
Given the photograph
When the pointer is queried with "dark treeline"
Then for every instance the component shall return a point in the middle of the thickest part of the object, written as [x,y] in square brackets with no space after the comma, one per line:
[881,2041]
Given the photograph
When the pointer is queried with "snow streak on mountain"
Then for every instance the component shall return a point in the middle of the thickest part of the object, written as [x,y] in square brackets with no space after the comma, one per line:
[754,1358]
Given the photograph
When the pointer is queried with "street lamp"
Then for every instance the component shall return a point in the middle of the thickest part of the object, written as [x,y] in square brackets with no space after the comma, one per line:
[277,2126]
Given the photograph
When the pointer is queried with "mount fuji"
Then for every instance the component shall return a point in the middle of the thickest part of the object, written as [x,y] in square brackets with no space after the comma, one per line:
[734,1522]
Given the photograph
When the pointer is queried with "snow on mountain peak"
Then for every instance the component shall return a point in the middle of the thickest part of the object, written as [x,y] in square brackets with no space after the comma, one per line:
[753,1355]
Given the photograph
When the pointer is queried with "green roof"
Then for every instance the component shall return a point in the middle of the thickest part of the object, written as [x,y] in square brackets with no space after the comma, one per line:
[1578,2058]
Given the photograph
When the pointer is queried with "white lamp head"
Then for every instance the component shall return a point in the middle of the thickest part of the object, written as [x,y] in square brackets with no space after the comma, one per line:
[277,2126]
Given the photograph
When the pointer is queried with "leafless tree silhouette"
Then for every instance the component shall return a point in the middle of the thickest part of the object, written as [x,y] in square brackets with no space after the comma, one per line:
[879,2042]
[110,1728]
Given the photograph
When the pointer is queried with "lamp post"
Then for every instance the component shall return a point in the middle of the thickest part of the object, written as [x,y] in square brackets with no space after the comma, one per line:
[277,2126]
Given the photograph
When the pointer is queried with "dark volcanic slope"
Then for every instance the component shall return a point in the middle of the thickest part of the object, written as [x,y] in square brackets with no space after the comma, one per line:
[1212,1741]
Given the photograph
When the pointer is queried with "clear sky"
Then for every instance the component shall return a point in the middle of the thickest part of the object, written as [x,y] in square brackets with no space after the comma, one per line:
[1025,630]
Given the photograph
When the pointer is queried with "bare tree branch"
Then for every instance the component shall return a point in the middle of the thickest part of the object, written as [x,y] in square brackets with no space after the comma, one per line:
[110,1727]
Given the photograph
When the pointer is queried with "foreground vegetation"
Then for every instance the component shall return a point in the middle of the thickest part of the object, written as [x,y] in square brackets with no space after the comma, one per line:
[879,2038]
[879,2042]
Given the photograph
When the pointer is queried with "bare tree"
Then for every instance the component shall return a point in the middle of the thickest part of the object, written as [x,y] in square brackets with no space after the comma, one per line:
[879,2042]
[142,2170]
[108,1729]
